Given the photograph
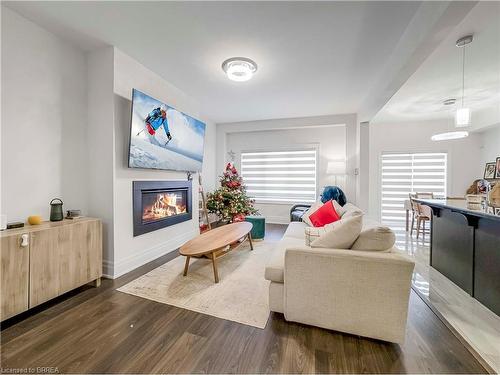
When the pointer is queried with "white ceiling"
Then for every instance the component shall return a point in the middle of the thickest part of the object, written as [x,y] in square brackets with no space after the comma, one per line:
[440,76]
[314,58]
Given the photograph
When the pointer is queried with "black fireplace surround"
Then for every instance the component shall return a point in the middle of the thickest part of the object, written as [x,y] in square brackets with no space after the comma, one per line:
[159,204]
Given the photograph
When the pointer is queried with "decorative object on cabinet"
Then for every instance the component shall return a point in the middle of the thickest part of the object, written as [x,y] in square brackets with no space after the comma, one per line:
[73,214]
[15,224]
[483,186]
[34,220]
[56,211]
[497,168]
[494,196]
[472,188]
[489,171]
[474,201]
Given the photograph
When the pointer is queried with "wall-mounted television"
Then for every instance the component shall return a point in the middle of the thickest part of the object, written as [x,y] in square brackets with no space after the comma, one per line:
[161,137]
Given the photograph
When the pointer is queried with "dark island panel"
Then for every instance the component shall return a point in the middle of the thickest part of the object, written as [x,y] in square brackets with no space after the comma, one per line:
[487,264]
[465,247]
[452,250]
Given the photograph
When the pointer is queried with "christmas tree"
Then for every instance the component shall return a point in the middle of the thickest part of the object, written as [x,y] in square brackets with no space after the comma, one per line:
[230,202]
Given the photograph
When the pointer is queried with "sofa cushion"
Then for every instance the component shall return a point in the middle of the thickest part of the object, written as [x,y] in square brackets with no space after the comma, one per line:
[312,233]
[295,230]
[375,237]
[275,269]
[275,266]
[341,234]
[326,214]
[310,211]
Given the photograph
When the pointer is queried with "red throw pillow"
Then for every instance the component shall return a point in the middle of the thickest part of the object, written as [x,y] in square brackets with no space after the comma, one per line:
[326,214]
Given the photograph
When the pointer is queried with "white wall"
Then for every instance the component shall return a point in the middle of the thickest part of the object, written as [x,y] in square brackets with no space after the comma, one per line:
[131,252]
[363,185]
[463,154]
[330,141]
[44,120]
[101,146]
[65,125]
[490,147]
[298,131]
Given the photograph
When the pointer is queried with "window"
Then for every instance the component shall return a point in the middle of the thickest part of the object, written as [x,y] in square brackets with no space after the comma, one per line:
[280,176]
[404,173]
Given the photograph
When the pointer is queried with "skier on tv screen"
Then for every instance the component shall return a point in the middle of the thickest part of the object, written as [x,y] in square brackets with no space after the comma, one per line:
[155,119]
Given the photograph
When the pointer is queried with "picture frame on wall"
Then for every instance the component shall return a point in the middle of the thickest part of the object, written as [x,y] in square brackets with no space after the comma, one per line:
[497,168]
[490,170]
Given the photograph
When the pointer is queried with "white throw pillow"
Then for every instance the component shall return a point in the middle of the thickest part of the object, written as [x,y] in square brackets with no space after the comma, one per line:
[340,234]
[310,211]
[313,233]
[375,238]
[351,210]
[338,208]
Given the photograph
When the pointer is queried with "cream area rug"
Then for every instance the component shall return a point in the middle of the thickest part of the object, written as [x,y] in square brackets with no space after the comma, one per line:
[240,296]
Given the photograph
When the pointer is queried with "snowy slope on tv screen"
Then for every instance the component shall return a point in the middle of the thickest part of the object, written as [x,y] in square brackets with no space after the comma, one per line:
[163,137]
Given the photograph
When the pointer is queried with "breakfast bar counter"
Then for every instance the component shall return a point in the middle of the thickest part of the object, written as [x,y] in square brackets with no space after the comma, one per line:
[465,247]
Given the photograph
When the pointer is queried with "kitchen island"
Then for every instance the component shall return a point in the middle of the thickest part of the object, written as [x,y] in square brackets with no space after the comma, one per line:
[465,247]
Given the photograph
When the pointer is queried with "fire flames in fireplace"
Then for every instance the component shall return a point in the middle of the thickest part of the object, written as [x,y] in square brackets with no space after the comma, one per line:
[163,205]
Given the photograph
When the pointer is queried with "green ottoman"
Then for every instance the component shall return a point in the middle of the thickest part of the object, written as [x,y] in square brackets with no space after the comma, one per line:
[259,226]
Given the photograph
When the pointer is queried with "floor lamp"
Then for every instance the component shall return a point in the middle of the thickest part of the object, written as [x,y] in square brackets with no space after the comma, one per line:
[336,168]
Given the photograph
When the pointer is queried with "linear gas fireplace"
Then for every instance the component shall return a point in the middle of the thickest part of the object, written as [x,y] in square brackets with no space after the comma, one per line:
[159,204]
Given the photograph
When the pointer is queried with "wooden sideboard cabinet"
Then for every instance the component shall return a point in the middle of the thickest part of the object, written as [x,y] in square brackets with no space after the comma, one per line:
[15,275]
[55,258]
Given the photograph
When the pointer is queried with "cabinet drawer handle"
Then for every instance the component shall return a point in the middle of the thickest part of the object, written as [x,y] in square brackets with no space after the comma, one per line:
[24,240]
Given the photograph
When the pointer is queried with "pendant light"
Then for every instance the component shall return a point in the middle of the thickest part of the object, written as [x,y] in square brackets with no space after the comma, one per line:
[452,133]
[463,114]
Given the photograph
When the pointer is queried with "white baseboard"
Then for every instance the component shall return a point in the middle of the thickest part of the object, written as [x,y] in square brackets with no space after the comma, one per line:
[278,219]
[107,269]
[113,270]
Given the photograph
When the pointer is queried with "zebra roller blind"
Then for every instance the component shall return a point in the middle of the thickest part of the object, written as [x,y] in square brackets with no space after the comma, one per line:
[404,173]
[280,176]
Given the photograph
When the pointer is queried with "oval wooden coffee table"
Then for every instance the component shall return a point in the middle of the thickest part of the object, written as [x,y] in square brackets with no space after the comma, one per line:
[216,243]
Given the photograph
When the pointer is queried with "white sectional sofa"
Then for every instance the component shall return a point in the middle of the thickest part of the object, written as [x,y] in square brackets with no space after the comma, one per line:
[364,293]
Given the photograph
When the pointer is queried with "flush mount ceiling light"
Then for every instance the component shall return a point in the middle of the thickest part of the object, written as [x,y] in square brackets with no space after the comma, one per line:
[239,69]
[462,116]
[450,135]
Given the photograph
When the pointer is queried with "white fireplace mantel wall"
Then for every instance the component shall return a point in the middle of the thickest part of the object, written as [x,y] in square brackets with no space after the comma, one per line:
[129,251]
[125,252]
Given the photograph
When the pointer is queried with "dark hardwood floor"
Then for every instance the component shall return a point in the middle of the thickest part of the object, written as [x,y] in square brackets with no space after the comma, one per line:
[101,330]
